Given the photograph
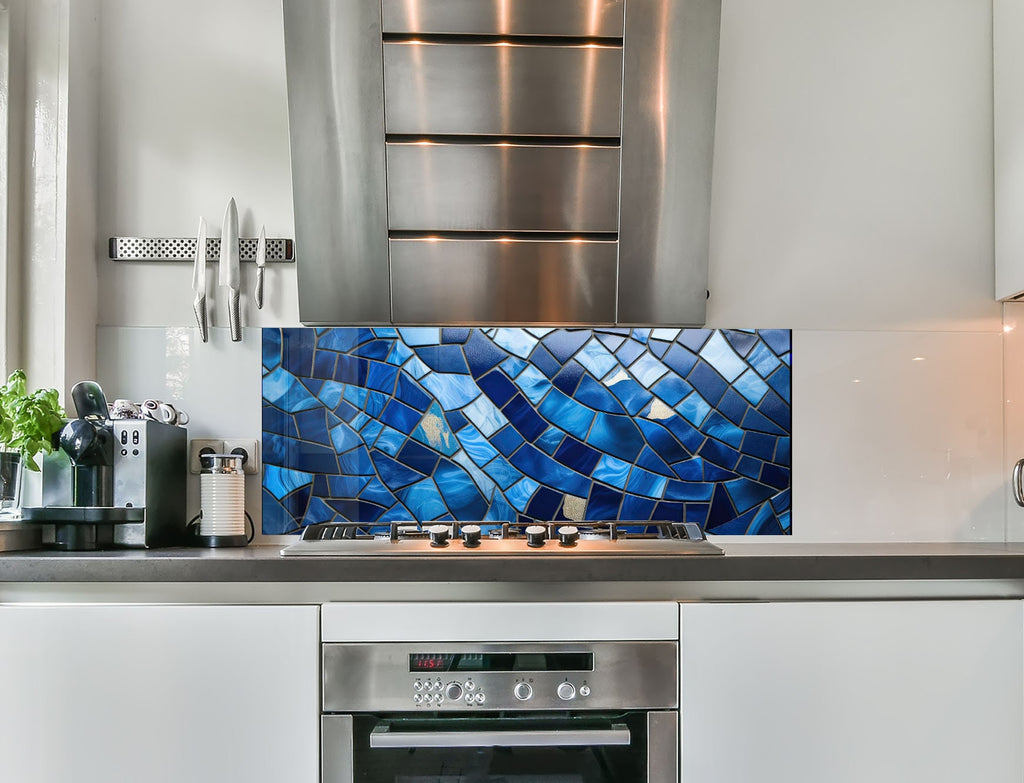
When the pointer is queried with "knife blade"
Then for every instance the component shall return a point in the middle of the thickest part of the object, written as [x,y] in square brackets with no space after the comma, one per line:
[261,262]
[199,281]
[229,273]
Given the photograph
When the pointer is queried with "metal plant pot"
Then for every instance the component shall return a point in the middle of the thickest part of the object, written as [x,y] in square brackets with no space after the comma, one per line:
[11,469]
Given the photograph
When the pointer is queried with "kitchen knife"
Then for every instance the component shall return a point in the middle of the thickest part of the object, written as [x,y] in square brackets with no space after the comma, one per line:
[199,281]
[261,262]
[229,274]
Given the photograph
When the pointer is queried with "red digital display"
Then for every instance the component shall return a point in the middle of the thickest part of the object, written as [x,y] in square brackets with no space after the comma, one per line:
[430,662]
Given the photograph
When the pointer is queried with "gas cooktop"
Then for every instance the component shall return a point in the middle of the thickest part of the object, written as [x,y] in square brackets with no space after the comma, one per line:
[458,539]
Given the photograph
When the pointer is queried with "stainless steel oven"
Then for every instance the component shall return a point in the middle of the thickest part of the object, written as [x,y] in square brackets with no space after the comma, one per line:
[517,712]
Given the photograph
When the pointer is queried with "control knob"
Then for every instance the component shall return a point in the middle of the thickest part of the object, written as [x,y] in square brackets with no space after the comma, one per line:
[566,691]
[522,691]
[453,692]
[471,535]
[535,535]
[438,535]
[568,535]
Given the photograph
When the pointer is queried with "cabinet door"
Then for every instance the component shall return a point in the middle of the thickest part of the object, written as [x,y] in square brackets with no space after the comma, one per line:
[162,694]
[852,692]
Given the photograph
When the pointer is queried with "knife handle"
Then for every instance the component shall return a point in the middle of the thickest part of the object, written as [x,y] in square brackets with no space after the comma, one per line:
[199,306]
[258,293]
[234,317]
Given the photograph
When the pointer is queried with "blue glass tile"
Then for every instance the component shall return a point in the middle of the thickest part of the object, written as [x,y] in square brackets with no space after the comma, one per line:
[671,389]
[444,358]
[343,486]
[482,354]
[340,339]
[668,512]
[414,336]
[775,408]
[355,510]
[751,386]
[603,504]
[499,511]
[594,395]
[351,369]
[577,456]
[760,445]
[344,438]
[696,512]
[662,441]
[512,366]
[271,344]
[375,349]
[476,445]
[535,463]
[502,472]
[717,426]
[612,471]
[280,482]
[568,379]
[519,494]
[333,420]
[382,377]
[283,390]
[459,492]
[690,470]
[433,430]
[746,494]
[628,352]
[651,461]
[416,368]
[719,454]
[533,383]
[394,474]
[297,352]
[708,382]
[356,462]
[779,340]
[647,369]
[631,394]
[540,331]
[545,362]
[275,448]
[483,482]
[781,501]
[721,510]
[749,467]
[636,509]
[775,476]
[400,416]
[755,421]
[784,521]
[498,388]
[409,392]
[516,341]
[714,473]
[596,359]
[611,341]
[688,490]
[390,441]
[765,524]
[694,409]
[454,335]
[356,395]
[680,360]
[378,494]
[277,421]
[524,418]
[331,393]
[616,435]
[641,335]
[456,421]
[487,418]
[550,440]
[544,504]
[667,335]
[782,451]
[658,348]
[385,331]
[733,527]
[741,341]
[323,364]
[564,343]
[763,360]
[569,414]
[643,482]
[507,440]
[693,339]
[780,382]
[418,457]
[295,503]
[276,519]
[311,457]
[733,406]
[317,511]
[452,391]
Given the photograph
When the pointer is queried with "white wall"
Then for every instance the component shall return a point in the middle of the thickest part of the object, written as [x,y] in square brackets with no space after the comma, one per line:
[852,203]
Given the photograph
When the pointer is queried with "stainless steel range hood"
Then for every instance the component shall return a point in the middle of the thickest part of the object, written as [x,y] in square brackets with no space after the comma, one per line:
[502,161]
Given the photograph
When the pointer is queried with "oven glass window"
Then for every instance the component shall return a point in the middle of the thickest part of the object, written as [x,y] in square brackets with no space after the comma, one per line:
[482,759]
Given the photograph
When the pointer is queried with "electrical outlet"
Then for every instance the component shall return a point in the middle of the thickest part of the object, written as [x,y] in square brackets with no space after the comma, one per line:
[249,448]
[199,446]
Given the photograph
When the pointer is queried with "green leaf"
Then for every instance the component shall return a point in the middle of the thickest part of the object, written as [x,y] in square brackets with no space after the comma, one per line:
[28,422]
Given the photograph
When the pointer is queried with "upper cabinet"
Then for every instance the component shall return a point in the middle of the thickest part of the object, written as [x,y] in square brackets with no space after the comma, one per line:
[1008,108]
[502,161]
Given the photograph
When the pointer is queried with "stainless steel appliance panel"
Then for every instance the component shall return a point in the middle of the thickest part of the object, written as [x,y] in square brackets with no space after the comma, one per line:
[670,67]
[662,746]
[502,187]
[595,18]
[495,281]
[336,742]
[376,677]
[336,124]
[502,89]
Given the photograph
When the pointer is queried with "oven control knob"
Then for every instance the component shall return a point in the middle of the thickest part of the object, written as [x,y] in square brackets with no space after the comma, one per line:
[566,691]
[535,535]
[453,691]
[522,691]
[568,535]
[584,690]
[471,535]
[438,535]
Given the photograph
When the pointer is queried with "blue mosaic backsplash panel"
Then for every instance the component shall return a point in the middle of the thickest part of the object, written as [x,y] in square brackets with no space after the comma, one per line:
[374,425]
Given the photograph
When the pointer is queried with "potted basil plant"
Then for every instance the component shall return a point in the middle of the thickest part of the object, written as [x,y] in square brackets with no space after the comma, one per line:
[28,423]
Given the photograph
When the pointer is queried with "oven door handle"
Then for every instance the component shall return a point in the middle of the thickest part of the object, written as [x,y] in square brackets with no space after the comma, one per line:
[383,737]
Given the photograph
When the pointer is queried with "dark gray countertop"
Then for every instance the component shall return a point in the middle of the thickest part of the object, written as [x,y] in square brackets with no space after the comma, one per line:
[743,562]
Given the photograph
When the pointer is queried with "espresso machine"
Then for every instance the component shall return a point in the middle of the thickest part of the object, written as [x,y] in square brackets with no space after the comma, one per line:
[112,483]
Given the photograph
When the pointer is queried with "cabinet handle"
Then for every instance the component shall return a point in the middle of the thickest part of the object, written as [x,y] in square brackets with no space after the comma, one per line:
[381,737]
[1018,487]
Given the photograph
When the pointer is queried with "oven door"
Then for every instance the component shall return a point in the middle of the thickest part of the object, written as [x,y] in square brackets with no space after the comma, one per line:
[631,747]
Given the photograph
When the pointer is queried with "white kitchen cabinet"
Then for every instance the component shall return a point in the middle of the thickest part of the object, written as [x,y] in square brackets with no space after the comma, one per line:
[849,692]
[1008,130]
[161,694]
